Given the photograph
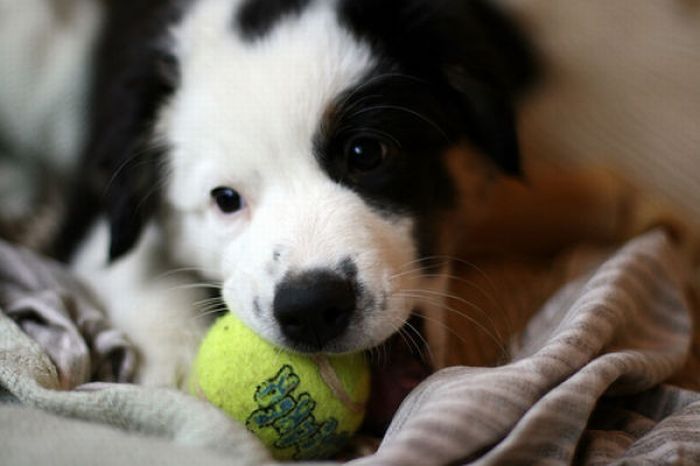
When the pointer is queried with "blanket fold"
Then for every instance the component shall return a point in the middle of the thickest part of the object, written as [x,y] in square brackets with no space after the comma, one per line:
[622,330]
[68,328]
[585,385]
[60,314]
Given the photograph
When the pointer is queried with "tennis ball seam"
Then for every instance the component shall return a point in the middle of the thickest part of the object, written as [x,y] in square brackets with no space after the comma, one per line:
[330,378]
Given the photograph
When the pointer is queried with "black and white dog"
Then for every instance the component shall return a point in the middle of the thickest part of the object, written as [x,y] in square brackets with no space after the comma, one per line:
[306,156]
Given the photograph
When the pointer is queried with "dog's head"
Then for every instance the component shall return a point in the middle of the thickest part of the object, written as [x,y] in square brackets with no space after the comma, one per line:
[300,149]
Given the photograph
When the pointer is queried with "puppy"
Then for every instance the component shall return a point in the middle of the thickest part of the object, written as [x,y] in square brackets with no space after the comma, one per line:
[311,159]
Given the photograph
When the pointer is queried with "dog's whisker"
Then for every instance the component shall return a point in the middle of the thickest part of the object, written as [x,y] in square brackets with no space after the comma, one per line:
[409,341]
[503,350]
[491,294]
[379,354]
[128,162]
[384,354]
[495,337]
[214,299]
[207,313]
[418,334]
[440,261]
[402,325]
[370,353]
[421,343]
[473,284]
[209,301]
[418,272]
[192,286]
[470,265]
[206,305]
[447,259]
[155,189]
[442,324]
[401,294]
[211,310]
[451,277]
[427,258]
[456,278]
[209,305]
[459,299]
[181,270]
[396,329]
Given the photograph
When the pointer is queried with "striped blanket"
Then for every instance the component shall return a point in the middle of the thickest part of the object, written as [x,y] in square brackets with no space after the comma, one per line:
[585,386]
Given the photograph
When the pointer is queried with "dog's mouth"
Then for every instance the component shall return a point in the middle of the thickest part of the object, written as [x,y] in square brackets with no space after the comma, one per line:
[398,366]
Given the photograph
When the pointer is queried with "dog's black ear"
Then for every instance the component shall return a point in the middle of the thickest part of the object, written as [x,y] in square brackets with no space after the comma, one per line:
[469,49]
[488,120]
[487,64]
[133,77]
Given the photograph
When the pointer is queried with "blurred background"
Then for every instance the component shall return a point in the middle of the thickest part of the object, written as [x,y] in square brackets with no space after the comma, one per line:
[621,90]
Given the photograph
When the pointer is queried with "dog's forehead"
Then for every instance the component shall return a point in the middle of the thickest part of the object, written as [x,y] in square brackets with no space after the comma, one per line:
[264,95]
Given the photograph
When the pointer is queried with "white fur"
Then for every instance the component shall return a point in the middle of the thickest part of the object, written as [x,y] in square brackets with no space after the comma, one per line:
[244,116]
[153,306]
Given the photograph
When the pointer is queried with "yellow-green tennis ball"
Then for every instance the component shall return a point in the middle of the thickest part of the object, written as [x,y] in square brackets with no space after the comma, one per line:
[300,407]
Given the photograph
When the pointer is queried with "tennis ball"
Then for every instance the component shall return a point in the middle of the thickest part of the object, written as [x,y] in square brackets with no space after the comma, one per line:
[301,407]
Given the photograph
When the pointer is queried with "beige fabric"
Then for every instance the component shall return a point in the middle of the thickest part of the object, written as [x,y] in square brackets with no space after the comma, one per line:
[615,332]
[585,366]
[53,308]
[28,375]
[32,437]
[622,90]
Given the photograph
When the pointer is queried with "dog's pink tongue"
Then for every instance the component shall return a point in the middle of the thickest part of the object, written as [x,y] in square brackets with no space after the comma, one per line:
[394,375]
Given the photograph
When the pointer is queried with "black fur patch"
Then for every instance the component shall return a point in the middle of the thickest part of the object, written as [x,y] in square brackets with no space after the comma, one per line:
[466,50]
[134,75]
[256,18]
[449,71]
[408,113]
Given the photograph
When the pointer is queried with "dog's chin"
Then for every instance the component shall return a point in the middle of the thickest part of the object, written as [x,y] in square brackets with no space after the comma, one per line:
[363,334]
[398,362]
[354,341]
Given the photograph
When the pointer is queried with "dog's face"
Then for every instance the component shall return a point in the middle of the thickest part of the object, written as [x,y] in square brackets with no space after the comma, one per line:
[303,147]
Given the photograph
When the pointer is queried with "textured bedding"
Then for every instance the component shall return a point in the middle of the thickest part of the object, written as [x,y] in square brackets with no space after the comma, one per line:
[585,385]
[587,381]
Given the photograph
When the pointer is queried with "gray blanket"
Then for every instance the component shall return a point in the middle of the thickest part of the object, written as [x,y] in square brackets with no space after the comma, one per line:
[585,387]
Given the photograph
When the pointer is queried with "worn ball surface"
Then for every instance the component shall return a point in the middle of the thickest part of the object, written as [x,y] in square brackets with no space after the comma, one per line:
[300,407]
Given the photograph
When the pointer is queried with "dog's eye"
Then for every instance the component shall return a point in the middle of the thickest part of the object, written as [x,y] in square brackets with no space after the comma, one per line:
[365,154]
[227,199]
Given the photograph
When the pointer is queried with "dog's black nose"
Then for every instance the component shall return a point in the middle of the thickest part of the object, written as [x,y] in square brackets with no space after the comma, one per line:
[315,307]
